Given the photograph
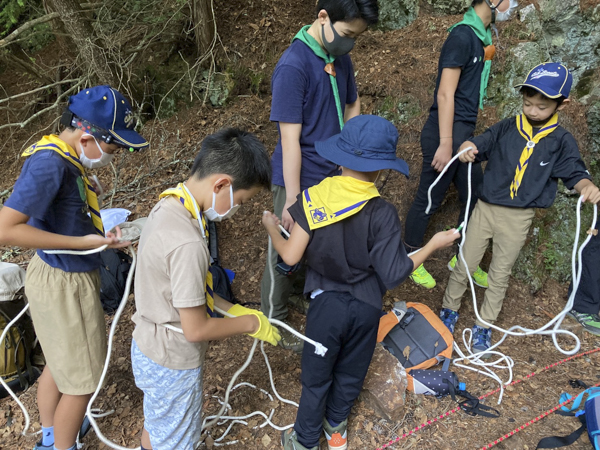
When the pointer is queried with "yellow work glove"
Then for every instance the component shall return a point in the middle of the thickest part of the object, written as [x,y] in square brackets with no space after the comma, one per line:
[266,331]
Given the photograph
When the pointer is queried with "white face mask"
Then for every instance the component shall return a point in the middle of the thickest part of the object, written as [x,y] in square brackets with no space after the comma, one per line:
[212,215]
[104,160]
[504,16]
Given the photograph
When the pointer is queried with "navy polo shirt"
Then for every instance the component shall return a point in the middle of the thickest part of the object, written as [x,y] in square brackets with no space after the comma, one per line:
[50,190]
[302,93]
[554,156]
[462,49]
[362,254]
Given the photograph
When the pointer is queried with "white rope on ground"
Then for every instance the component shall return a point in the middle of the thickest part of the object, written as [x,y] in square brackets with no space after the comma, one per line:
[319,349]
[504,361]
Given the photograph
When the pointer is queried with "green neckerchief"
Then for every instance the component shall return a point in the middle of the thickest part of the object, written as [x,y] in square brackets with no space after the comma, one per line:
[485,35]
[318,50]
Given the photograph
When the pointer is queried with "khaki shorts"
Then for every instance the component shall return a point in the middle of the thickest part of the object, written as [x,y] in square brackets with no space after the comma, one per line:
[69,322]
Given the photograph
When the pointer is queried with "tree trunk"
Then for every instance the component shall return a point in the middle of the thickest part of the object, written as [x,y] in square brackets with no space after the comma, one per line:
[92,59]
[204,24]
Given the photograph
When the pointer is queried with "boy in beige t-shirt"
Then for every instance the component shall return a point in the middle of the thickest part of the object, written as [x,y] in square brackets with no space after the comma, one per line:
[173,287]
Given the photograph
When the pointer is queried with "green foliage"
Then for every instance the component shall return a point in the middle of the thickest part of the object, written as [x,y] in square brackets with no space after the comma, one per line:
[399,110]
[10,13]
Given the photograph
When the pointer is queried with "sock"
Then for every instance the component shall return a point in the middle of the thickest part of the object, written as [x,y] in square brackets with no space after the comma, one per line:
[332,423]
[70,448]
[144,448]
[47,436]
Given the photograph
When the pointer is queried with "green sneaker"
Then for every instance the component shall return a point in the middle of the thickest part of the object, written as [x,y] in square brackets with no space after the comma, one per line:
[589,322]
[480,278]
[422,277]
[289,440]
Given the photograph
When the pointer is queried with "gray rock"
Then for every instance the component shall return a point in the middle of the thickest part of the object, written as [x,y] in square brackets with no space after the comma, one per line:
[572,35]
[450,6]
[519,61]
[396,14]
[384,389]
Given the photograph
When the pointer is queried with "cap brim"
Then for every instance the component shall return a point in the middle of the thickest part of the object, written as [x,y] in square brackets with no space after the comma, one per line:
[547,92]
[329,150]
[129,138]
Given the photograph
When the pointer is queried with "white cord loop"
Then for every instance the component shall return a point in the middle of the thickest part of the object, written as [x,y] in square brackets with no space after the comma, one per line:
[504,361]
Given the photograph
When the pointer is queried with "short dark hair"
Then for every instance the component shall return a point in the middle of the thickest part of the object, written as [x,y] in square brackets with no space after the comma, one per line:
[236,153]
[348,10]
[530,92]
[476,2]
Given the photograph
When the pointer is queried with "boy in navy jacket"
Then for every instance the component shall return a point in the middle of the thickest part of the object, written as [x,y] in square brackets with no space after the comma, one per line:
[526,155]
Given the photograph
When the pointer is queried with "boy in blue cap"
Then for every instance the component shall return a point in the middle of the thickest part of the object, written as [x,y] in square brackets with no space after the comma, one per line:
[314,93]
[351,240]
[54,206]
[526,155]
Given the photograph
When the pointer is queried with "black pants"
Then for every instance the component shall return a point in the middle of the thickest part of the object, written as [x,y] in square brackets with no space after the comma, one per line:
[330,385]
[587,298]
[417,220]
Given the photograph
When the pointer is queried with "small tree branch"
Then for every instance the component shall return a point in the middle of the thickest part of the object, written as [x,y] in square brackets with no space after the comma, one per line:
[38,89]
[45,110]
[26,26]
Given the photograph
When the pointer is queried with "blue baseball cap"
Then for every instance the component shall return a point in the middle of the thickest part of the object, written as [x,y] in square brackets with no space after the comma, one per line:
[366,144]
[551,79]
[106,108]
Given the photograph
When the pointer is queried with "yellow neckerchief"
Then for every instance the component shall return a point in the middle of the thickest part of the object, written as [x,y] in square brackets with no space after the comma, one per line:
[53,143]
[191,205]
[526,130]
[335,199]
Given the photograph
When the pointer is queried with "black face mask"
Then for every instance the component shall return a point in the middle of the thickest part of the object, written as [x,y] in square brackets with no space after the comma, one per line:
[340,45]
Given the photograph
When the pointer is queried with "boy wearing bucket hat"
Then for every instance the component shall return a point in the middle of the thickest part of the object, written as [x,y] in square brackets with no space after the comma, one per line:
[314,93]
[351,240]
[526,155]
[54,206]
[463,74]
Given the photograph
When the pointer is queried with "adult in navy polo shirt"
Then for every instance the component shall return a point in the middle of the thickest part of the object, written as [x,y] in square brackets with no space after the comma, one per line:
[463,73]
[314,93]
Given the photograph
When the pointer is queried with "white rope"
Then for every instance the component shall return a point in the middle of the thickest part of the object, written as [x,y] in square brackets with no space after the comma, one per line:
[504,361]
[93,413]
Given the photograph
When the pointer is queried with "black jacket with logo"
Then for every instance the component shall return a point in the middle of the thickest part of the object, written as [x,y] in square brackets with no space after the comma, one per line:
[554,156]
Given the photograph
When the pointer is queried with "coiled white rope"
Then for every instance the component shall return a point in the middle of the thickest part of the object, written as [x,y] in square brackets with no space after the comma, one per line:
[504,361]
[219,417]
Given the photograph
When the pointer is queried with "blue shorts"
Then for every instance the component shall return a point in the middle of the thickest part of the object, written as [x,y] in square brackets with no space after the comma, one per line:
[172,402]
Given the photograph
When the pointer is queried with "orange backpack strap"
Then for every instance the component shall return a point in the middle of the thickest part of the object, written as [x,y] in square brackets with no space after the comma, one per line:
[386,323]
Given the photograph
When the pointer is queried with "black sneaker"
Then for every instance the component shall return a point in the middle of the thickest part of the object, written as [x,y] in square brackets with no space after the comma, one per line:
[589,322]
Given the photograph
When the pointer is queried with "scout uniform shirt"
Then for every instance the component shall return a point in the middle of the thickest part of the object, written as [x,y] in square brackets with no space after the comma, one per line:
[554,156]
[361,253]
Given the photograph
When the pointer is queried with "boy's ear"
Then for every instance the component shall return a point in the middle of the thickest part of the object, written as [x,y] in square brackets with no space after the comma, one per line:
[323,17]
[222,181]
[565,102]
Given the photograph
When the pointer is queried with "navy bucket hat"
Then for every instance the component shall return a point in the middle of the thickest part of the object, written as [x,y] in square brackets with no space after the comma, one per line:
[366,144]
[106,108]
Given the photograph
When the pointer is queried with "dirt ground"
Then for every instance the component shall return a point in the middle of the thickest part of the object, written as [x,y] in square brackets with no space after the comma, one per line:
[388,65]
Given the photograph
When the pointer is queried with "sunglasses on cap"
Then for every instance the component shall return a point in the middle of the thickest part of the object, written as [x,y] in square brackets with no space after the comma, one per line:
[69,119]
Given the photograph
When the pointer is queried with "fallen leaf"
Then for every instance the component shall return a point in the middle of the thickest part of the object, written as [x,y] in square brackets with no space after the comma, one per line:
[266,440]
